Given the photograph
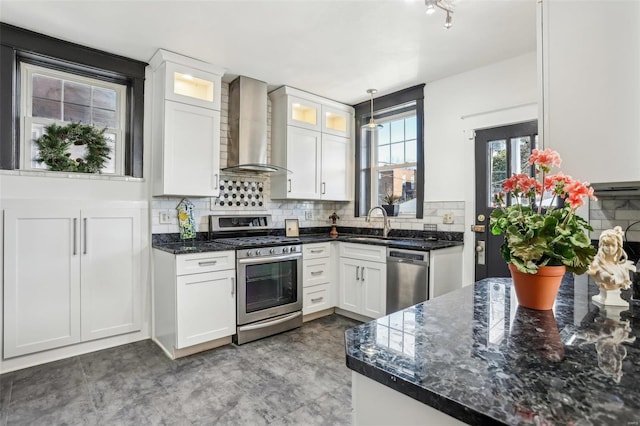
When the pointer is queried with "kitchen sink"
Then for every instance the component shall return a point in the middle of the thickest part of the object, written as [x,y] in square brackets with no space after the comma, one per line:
[371,240]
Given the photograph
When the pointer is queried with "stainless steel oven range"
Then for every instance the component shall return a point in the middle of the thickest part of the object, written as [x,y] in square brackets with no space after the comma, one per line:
[269,285]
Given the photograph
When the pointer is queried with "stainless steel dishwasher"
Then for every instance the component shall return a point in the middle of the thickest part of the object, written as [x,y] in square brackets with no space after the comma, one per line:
[407,278]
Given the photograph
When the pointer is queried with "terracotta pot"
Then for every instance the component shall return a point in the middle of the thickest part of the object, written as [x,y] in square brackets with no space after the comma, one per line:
[537,291]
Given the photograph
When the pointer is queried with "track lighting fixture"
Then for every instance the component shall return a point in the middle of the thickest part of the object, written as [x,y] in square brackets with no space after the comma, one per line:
[440,4]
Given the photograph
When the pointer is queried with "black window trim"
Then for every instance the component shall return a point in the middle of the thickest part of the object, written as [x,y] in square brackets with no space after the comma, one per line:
[18,44]
[362,116]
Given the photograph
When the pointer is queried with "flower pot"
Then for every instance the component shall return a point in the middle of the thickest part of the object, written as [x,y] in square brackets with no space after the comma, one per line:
[537,291]
[391,209]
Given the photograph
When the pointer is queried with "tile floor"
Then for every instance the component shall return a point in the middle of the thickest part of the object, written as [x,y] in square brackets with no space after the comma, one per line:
[295,378]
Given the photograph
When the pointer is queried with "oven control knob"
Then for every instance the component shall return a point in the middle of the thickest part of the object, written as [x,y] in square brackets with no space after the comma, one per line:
[272,251]
[258,252]
[249,253]
[293,249]
[285,249]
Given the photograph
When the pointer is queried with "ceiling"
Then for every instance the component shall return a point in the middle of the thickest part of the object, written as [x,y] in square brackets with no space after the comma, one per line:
[336,49]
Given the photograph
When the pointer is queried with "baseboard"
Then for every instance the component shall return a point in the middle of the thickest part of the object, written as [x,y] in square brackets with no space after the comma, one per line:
[179,353]
[319,314]
[353,315]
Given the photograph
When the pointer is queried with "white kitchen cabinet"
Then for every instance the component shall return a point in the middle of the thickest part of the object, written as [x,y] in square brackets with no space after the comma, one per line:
[317,278]
[194,301]
[336,121]
[70,276]
[314,144]
[362,277]
[445,270]
[591,75]
[185,126]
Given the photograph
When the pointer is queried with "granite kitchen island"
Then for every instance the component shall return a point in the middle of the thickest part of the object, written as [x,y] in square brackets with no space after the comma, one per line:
[474,356]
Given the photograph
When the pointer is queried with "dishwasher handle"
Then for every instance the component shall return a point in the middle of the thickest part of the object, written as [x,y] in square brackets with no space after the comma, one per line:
[420,259]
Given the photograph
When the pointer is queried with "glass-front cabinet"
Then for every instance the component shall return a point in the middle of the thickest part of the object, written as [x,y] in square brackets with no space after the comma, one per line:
[335,121]
[303,113]
[192,86]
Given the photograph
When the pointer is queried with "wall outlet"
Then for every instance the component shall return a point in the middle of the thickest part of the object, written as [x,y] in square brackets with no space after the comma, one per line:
[308,215]
[165,217]
[447,218]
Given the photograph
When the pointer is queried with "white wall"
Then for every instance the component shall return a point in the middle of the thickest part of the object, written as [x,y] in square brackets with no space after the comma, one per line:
[495,95]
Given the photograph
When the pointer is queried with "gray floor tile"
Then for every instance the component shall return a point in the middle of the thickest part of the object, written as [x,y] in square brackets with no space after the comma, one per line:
[298,377]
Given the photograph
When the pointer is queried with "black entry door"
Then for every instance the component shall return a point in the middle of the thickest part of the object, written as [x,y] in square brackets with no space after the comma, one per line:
[500,152]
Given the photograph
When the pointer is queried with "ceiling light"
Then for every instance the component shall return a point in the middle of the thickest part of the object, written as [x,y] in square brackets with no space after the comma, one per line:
[440,4]
[372,126]
[431,6]
[447,22]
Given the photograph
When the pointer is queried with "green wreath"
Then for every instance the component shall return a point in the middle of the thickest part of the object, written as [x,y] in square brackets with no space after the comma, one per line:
[54,144]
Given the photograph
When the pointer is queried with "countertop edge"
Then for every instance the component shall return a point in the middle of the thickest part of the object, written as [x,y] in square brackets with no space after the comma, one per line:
[432,399]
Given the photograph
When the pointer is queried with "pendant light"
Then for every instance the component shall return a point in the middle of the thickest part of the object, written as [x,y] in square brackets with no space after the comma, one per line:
[372,126]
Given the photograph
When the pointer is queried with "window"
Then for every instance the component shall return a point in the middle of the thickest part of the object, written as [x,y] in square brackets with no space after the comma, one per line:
[45,80]
[51,96]
[391,161]
[393,170]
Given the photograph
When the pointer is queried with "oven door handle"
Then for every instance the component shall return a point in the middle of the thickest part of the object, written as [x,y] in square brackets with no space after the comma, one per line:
[263,324]
[254,260]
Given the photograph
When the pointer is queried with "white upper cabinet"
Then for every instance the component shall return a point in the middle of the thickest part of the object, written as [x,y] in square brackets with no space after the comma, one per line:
[187,80]
[303,113]
[312,138]
[185,126]
[336,121]
[591,70]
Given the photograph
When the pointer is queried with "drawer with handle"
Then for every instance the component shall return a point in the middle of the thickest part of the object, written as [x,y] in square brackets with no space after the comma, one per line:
[316,298]
[205,262]
[316,272]
[316,250]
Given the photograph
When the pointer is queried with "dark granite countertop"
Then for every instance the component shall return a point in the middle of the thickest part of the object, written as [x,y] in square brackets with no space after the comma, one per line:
[201,245]
[479,357]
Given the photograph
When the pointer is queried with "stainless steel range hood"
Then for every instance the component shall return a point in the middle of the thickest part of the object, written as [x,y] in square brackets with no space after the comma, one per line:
[248,149]
[615,189]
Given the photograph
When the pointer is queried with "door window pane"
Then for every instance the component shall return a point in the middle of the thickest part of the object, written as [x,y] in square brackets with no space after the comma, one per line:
[497,164]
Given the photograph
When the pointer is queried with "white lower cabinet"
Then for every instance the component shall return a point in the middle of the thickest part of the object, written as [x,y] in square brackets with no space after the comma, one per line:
[317,278]
[194,301]
[363,281]
[70,275]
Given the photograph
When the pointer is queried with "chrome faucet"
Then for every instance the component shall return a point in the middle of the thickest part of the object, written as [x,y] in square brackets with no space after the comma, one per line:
[387,224]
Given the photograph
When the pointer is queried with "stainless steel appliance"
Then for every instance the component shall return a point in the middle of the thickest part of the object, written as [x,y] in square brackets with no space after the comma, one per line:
[407,278]
[268,277]
[269,289]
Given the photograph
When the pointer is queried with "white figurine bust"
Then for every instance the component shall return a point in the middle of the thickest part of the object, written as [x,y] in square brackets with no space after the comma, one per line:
[610,268]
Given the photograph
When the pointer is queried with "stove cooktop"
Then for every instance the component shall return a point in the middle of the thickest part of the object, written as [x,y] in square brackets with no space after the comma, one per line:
[257,241]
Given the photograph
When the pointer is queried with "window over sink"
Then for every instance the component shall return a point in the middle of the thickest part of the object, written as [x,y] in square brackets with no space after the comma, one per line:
[390,161]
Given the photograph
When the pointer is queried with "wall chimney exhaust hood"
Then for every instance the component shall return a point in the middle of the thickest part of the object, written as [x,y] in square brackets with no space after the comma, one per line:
[614,189]
[248,149]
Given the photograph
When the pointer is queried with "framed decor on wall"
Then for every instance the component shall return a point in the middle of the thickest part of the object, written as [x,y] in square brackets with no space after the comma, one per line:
[291,228]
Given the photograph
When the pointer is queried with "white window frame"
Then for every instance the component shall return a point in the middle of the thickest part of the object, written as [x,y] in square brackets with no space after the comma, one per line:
[375,168]
[27,120]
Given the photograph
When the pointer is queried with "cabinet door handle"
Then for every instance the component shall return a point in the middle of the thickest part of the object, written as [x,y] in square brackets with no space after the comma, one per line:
[233,286]
[316,272]
[317,299]
[85,235]
[75,236]
[207,263]
[362,275]
[324,187]
[316,251]
[289,185]
[217,181]
[357,273]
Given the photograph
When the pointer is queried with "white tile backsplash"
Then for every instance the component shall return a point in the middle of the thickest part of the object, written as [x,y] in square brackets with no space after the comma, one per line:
[617,211]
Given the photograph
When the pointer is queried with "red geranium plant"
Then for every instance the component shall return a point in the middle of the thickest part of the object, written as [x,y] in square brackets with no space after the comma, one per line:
[536,232]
